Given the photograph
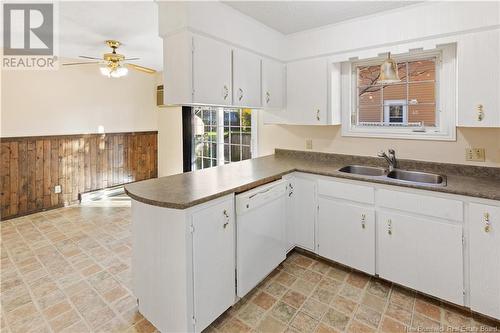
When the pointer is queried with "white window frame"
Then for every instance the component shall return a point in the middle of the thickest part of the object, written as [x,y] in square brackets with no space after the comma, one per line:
[220,136]
[446,96]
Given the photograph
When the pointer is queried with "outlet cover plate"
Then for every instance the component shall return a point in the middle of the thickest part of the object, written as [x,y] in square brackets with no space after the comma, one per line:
[57,189]
[475,154]
[309,144]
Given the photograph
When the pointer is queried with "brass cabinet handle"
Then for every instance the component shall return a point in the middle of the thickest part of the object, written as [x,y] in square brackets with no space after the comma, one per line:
[389,227]
[226,215]
[487,227]
[363,221]
[226,92]
[480,112]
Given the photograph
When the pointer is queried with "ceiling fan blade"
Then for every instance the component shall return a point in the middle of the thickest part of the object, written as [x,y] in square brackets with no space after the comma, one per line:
[81,63]
[93,58]
[141,68]
[131,59]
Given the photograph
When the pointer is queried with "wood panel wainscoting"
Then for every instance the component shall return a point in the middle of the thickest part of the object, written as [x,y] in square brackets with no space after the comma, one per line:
[31,167]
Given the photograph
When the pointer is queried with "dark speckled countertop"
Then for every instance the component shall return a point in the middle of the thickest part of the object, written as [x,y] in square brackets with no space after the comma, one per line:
[189,189]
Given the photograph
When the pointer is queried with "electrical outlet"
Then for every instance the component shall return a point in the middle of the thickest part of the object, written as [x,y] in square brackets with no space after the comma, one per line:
[309,144]
[475,154]
[57,189]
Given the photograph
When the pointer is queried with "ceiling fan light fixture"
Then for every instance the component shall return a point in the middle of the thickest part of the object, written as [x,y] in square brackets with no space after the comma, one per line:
[105,70]
[389,71]
[113,72]
[120,71]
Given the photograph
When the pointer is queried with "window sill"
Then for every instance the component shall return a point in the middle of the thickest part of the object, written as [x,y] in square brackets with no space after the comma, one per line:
[403,134]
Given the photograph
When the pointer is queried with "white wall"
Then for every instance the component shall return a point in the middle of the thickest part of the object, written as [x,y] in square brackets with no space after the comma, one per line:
[76,100]
[430,20]
[170,158]
[214,19]
[329,139]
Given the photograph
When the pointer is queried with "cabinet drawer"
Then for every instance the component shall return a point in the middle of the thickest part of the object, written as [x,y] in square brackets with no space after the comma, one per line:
[359,193]
[421,204]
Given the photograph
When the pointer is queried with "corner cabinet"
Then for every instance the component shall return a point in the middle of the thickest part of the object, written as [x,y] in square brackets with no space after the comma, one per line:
[183,263]
[301,211]
[200,70]
[484,235]
[478,56]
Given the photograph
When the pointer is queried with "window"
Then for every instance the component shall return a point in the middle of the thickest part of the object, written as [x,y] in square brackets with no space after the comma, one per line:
[421,105]
[222,136]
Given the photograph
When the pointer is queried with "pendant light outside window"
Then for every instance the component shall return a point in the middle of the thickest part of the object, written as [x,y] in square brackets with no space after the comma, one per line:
[389,71]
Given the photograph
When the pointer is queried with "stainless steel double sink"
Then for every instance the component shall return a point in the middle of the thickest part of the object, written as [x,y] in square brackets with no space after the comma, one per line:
[398,175]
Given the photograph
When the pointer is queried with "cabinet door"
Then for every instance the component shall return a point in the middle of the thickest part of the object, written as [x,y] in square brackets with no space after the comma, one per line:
[396,249]
[479,79]
[304,212]
[440,259]
[289,213]
[213,262]
[423,254]
[484,233]
[307,85]
[346,234]
[211,72]
[246,79]
[273,73]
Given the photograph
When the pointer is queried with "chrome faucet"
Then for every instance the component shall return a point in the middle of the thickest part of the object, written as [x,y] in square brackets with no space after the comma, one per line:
[391,158]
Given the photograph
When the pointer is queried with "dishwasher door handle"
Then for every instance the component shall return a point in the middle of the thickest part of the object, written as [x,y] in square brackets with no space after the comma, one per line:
[261,192]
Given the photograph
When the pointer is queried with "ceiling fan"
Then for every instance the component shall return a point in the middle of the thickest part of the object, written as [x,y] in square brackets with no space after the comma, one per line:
[113,64]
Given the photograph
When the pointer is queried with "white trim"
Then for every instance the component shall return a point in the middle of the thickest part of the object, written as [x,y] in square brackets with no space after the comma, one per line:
[446,73]
[254,147]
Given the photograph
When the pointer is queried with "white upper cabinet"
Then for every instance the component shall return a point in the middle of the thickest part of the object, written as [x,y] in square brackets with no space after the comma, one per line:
[484,233]
[307,92]
[479,79]
[203,71]
[211,72]
[273,84]
[246,79]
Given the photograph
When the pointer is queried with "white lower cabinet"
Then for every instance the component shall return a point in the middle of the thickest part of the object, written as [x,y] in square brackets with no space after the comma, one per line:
[346,234]
[302,212]
[484,249]
[183,263]
[213,262]
[421,253]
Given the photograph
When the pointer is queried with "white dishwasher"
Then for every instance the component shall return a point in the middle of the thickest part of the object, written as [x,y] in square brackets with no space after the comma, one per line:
[260,234]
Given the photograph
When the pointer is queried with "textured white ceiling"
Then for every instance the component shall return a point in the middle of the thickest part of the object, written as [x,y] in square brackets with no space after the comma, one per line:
[293,16]
[85,25]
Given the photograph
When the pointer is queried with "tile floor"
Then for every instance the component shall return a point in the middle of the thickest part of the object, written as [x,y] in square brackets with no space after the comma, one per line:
[68,270]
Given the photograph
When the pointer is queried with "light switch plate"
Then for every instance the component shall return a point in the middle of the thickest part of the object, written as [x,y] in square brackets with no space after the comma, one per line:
[57,189]
[475,154]
[309,144]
